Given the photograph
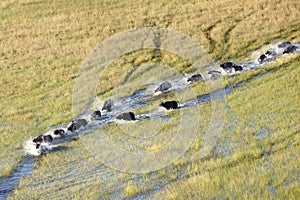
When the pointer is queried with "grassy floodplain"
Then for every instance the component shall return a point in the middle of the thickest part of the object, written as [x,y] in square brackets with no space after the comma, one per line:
[43,44]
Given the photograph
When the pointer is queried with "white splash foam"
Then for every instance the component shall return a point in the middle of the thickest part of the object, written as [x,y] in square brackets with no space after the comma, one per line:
[44,148]
[157,93]
[121,121]
[30,148]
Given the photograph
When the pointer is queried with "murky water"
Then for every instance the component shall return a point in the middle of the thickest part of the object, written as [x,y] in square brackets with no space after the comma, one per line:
[138,99]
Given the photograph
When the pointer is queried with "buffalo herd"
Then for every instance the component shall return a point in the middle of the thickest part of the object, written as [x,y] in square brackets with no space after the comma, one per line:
[282,48]
[108,106]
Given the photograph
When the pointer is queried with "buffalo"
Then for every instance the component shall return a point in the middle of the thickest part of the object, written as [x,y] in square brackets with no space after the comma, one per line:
[228,66]
[96,115]
[41,139]
[164,87]
[284,44]
[262,58]
[48,138]
[169,105]
[195,78]
[108,105]
[214,74]
[59,132]
[128,116]
[76,124]
[238,68]
[290,49]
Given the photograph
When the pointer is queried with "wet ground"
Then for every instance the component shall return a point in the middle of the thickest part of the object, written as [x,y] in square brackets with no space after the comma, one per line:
[24,169]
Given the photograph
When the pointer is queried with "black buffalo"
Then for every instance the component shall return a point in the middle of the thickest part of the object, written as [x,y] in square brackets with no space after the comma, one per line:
[164,87]
[238,68]
[227,65]
[290,49]
[214,74]
[195,78]
[76,124]
[108,105]
[128,116]
[169,105]
[59,132]
[42,138]
[284,44]
[270,52]
[39,139]
[48,138]
[96,115]
[262,58]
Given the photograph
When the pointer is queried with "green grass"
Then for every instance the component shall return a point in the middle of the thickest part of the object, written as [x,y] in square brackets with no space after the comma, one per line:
[43,44]
[247,174]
